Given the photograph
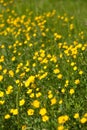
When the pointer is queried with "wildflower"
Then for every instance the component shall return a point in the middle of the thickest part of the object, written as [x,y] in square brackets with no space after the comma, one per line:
[36,103]
[1,78]
[61,101]
[53,101]
[60,127]
[30,112]
[2,102]
[63,119]
[14,111]
[77,81]
[50,96]
[7,116]
[42,111]
[45,118]
[59,76]
[21,102]
[11,73]
[76,115]
[83,120]
[80,72]
[56,71]
[38,94]
[30,80]
[9,89]
[63,90]
[1,94]
[71,91]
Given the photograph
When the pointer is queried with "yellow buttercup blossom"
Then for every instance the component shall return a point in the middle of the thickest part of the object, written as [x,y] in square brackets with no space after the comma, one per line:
[71,91]
[53,101]
[30,80]
[45,118]
[2,102]
[14,111]
[76,115]
[59,76]
[80,72]
[11,73]
[56,71]
[63,119]
[83,120]
[77,81]
[21,102]
[36,103]
[30,112]
[60,127]
[9,89]
[7,116]
[42,111]
[1,94]
[1,78]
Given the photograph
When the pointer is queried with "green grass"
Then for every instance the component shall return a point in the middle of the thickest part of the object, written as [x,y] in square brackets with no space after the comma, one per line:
[43,65]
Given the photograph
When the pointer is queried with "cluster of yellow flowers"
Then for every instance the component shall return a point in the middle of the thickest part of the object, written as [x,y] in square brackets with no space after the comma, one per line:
[40,70]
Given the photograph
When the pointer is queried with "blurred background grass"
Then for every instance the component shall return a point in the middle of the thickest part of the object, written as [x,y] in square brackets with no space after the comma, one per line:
[71,7]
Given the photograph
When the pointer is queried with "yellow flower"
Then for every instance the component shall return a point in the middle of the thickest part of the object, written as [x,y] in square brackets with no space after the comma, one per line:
[71,91]
[50,95]
[9,89]
[1,94]
[30,112]
[75,68]
[11,73]
[42,111]
[77,81]
[63,90]
[30,80]
[80,72]
[36,103]
[21,102]
[2,102]
[7,116]
[59,76]
[14,111]
[56,71]
[60,127]
[76,115]
[45,118]
[83,120]
[61,101]
[38,94]
[1,78]
[53,101]
[24,127]
[63,119]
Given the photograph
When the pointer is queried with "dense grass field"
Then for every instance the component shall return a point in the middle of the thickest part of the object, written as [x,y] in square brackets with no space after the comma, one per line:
[43,65]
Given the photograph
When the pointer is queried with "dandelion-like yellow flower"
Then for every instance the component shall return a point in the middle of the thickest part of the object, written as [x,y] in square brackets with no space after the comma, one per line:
[21,102]
[83,120]
[30,80]
[53,101]
[63,119]
[1,78]
[76,115]
[60,127]
[36,103]
[71,91]
[45,118]
[42,111]
[7,116]
[30,112]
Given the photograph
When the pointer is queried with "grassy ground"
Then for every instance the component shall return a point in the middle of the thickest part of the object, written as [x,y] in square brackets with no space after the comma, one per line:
[43,65]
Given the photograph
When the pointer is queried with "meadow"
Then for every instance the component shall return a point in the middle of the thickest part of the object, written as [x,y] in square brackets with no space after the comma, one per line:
[43,65]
